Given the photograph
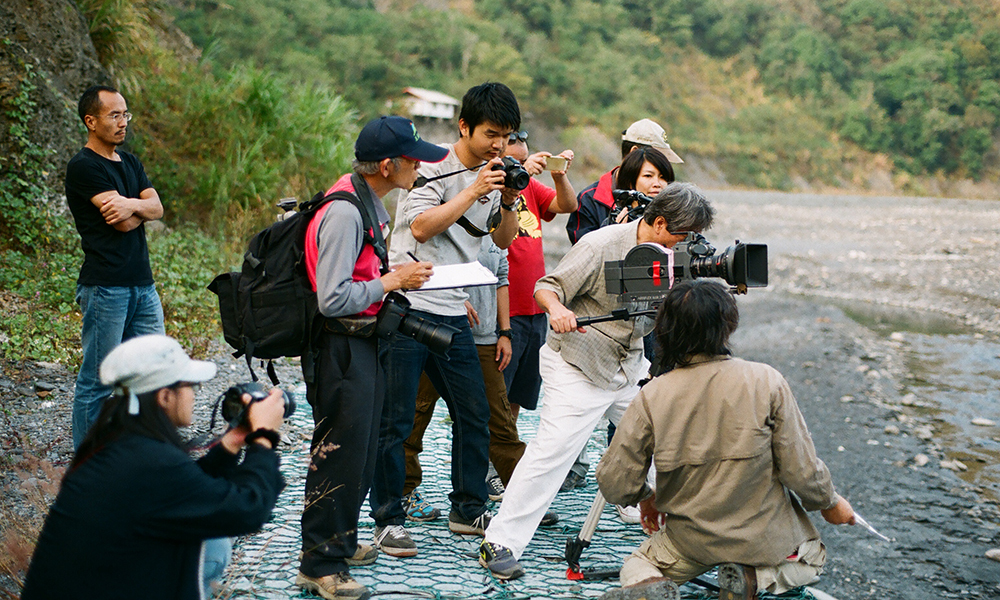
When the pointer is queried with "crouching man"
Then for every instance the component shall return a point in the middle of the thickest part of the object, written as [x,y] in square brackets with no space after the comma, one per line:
[728,444]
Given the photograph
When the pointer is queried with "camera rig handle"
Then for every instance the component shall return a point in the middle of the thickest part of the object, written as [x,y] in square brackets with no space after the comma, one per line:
[619,314]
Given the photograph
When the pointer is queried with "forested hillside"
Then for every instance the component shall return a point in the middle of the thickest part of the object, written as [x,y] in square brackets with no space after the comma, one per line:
[774,90]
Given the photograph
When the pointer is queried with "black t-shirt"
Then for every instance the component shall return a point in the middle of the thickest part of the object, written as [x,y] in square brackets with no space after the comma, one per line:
[111,258]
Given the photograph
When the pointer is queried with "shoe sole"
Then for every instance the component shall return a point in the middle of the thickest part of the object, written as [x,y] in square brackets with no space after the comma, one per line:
[496,497]
[352,562]
[314,588]
[433,517]
[461,529]
[398,552]
[502,576]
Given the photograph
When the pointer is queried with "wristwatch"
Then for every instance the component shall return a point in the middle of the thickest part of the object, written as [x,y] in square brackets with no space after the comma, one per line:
[268,434]
[512,207]
[507,333]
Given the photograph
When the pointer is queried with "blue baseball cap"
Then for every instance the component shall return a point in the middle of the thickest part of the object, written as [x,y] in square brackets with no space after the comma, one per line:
[390,137]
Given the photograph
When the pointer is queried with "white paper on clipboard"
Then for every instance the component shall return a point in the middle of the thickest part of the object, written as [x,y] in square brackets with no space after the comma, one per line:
[457,276]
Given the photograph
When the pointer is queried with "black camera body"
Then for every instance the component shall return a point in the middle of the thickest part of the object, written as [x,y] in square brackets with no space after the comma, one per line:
[631,201]
[516,178]
[394,315]
[235,412]
[649,270]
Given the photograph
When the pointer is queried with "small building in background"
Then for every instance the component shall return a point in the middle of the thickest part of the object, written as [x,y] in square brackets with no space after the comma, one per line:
[429,104]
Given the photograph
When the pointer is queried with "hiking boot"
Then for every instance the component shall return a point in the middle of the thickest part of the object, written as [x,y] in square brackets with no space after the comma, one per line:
[394,541]
[462,526]
[333,587]
[418,509]
[651,589]
[364,555]
[573,481]
[495,487]
[499,561]
[550,518]
[628,514]
[737,582]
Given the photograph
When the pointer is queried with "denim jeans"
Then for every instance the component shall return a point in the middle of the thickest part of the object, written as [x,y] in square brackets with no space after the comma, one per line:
[459,379]
[111,315]
[216,554]
[521,375]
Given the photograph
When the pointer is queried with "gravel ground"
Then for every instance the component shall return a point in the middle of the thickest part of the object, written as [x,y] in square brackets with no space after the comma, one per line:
[860,287]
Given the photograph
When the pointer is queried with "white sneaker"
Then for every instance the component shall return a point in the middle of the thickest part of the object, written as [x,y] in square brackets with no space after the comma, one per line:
[628,514]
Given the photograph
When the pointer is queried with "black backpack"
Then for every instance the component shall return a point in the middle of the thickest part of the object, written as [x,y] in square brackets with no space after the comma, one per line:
[268,310]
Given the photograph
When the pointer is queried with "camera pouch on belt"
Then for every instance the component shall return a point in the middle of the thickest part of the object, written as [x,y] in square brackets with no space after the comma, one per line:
[353,326]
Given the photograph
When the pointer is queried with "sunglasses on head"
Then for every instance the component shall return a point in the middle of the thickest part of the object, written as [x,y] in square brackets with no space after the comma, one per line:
[518,136]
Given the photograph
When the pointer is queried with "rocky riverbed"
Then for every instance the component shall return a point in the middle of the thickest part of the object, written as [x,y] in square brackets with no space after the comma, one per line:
[883,314]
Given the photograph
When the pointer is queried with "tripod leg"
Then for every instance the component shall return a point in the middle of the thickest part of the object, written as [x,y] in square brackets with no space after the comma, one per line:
[575,546]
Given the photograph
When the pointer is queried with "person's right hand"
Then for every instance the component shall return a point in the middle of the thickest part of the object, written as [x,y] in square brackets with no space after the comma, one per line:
[269,413]
[563,320]
[408,276]
[489,180]
[840,513]
[470,312]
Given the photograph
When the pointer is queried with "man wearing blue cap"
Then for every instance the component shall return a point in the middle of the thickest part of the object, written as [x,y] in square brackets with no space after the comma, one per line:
[348,270]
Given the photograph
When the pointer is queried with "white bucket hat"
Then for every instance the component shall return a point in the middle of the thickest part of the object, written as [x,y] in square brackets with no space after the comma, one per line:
[649,133]
[151,362]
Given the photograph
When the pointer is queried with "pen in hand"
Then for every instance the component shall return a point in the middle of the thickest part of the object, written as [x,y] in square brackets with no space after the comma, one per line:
[411,255]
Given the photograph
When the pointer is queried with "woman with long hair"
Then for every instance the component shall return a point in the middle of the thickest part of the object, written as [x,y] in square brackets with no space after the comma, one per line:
[134,509]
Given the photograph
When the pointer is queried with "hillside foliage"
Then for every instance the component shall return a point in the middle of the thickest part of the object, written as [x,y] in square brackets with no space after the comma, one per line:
[763,85]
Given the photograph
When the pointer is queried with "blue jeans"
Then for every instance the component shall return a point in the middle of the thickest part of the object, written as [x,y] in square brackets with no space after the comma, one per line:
[521,376]
[216,554]
[459,379]
[111,315]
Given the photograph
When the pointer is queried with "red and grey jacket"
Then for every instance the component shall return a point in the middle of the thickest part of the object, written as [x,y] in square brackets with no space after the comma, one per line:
[365,265]
[595,204]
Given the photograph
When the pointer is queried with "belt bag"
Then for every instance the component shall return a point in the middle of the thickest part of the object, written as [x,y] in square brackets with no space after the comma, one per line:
[354,326]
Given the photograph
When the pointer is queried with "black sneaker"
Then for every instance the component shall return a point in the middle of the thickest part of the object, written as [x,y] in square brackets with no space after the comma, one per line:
[550,518]
[462,526]
[495,487]
[573,481]
[499,561]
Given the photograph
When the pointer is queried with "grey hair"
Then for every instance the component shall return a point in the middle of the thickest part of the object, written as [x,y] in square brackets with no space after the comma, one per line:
[370,167]
[684,207]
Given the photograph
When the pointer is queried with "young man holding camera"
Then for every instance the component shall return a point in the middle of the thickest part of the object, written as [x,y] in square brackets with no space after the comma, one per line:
[347,392]
[443,222]
[586,373]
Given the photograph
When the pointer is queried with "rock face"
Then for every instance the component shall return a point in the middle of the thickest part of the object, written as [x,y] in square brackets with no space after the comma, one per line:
[49,39]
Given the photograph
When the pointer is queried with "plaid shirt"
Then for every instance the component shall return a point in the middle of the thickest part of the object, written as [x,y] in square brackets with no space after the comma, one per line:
[578,281]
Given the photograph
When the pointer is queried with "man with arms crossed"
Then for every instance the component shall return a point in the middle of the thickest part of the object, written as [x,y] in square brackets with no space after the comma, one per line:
[586,373]
[443,222]
[111,198]
[349,385]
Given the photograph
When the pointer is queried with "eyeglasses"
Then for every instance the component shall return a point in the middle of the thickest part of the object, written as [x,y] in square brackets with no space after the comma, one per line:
[518,136]
[117,116]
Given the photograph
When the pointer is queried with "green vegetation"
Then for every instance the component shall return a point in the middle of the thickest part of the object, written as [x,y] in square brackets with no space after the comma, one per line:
[220,147]
[773,88]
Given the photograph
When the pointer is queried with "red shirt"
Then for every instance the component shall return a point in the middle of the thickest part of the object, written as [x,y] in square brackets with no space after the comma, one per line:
[525,256]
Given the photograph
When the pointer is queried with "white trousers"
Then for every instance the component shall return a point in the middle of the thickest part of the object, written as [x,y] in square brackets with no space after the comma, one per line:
[573,405]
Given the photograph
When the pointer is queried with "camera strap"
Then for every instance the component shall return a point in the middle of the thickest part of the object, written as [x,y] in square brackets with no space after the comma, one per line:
[370,218]
[492,224]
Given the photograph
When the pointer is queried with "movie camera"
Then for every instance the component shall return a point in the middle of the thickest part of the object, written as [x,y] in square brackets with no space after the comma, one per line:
[649,270]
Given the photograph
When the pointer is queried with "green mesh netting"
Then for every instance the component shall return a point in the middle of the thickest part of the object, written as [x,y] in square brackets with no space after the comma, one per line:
[265,564]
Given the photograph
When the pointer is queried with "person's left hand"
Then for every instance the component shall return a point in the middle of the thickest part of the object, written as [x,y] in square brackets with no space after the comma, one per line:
[471,314]
[504,352]
[649,516]
[117,209]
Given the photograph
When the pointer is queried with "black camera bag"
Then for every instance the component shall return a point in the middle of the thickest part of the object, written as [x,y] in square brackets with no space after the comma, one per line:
[268,310]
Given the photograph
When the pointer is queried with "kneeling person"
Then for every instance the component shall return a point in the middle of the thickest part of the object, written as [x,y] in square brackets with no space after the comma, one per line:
[728,443]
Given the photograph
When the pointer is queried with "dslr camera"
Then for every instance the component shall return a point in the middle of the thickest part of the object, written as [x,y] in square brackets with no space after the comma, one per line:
[630,201]
[235,412]
[395,316]
[516,178]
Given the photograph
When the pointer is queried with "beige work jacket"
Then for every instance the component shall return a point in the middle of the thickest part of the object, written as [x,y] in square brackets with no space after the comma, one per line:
[729,446]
